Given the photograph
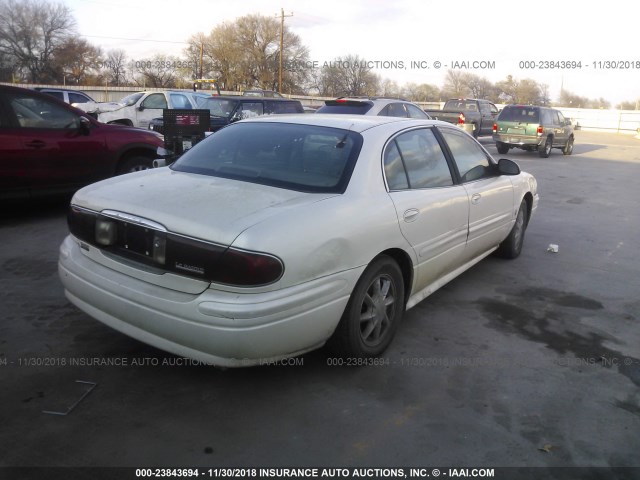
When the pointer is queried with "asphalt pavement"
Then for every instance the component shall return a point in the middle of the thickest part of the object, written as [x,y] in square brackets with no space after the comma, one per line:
[530,362]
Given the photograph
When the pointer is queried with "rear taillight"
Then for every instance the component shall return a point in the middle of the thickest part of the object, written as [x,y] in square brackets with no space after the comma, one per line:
[495,128]
[540,130]
[152,245]
[247,269]
[461,119]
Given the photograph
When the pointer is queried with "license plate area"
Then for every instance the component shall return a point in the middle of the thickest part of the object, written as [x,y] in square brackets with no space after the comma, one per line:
[135,241]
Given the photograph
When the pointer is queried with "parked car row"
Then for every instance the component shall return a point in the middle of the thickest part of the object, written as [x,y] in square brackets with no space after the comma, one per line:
[228,109]
[528,127]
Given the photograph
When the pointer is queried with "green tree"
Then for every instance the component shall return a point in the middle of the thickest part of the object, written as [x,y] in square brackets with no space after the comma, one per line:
[246,53]
[76,61]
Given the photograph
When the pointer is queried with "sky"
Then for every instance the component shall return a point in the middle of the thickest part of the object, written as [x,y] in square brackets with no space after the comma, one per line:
[491,39]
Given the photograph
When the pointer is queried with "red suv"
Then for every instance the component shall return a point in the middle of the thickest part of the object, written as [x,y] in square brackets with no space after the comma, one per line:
[47,146]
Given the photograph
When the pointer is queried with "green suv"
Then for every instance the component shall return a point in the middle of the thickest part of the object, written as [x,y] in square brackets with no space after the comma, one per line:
[533,128]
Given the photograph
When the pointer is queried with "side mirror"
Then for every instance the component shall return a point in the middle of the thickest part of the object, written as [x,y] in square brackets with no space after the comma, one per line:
[508,167]
[84,126]
[141,108]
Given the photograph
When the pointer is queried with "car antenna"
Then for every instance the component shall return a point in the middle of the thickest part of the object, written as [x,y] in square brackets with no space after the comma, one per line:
[343,140]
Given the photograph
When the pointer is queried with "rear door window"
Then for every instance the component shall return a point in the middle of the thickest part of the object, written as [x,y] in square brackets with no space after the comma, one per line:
[58,95]
[180,101]
[394,110]
[78,98]
[250,110]
[282,107]
[415,112]
[155,100]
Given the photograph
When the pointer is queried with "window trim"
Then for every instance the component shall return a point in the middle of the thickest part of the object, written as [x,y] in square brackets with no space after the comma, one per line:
[447,155]
[458,178]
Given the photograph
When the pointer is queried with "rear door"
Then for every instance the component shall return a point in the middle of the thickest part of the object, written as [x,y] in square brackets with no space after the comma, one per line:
[488,116]
[432,211]
[559,128]
[490,195]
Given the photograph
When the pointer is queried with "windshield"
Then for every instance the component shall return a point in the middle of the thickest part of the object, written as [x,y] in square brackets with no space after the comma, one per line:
[131,99]
[219,107]
[296,157]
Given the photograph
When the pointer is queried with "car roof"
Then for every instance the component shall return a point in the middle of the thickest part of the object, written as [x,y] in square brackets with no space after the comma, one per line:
[356,123]
[248,99]
[55,89]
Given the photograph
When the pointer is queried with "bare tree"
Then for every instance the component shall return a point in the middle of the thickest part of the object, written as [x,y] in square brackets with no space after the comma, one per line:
[478,87]
[455,84]
[348,76]
[390,88]
[422,93]
[115,67]
[159,71]
[508,90]
[30,33]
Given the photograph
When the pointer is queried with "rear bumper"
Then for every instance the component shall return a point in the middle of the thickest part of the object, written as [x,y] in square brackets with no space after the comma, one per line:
[518,140]
[215,327]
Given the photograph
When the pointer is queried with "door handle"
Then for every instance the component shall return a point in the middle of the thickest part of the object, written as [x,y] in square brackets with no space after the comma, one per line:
[35,144]
[410,215]
[475,198]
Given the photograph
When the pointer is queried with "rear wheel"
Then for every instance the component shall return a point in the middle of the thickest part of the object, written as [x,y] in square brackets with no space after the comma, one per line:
[545,150]
[502,147]
[512,245]
[375,308]
[135,164]
[568,147]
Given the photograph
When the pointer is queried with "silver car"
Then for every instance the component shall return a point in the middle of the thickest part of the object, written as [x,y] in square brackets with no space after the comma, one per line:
[278,234]
[381,106]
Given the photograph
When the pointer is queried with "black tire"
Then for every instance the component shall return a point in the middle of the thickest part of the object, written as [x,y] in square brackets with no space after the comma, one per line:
[568,147]
[512,245]
[502,148]
[375,308]
[135,164]
[545,150]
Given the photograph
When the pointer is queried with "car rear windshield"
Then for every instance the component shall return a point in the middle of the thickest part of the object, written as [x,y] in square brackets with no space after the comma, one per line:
[520,114]
[305,158]
[461,105]
[345,107]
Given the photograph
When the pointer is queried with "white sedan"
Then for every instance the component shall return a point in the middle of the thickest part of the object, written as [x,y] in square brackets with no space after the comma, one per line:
[278,234]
